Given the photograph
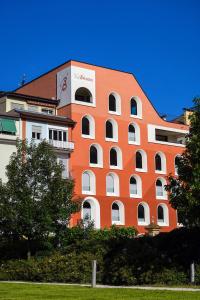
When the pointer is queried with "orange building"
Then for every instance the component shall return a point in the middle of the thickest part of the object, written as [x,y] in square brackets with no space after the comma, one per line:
[123,149]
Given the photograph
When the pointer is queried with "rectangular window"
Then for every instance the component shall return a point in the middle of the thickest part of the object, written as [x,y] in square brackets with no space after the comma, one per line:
[33,108]
[47,111]
[64,163]
[57,135]
[15,105]
[36,132]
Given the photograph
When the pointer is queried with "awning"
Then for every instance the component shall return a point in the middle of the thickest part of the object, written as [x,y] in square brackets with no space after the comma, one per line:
[7,125]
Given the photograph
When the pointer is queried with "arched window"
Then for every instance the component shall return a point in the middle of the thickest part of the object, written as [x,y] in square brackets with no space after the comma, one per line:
[112,184]
[117,214]
[93,155]
[131,133]
[160,189]
[109,130]
[141,161]
[88,127]
[83,94]
[91,211]
[162,215]
[86,211]
[139,164]
[135,186]
[143,214]
[85,126]
[177,158]
[134,109]
[113,157]
[134,134]
[88,182]
[96,156]
[160,163]
[112,103]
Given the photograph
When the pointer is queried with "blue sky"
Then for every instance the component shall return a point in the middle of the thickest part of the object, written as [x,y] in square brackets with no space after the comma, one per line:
[157,40]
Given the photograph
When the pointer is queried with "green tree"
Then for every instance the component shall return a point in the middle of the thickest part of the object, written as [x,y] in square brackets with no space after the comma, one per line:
[185,188]
[35,202]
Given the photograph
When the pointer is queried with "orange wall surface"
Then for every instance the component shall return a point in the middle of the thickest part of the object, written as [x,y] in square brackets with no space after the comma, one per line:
[126,86]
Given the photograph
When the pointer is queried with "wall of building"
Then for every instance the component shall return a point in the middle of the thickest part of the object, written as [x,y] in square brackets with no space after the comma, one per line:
[126,86]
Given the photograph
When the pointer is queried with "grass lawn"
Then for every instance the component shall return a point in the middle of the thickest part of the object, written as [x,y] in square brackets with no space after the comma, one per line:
[14,291]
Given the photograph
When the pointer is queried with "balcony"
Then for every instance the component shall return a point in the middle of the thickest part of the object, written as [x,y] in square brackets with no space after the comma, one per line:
[61,145]
[166,136]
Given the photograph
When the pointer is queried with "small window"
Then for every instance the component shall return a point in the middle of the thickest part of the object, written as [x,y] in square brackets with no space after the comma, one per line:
[64,163]
[85,126]
[133,186]
[93,155]
[112,103]
[83,95]
[158,162]
[134,110]
[47,111]
[15,105]
[141,213]
[139,164]
[109,130]
[131,133]
[159,188]
[115,212]
[33,108]
[86,186]
[141,161]
[160,214]
[87,215]
[36,132]
[110,184]
[113,157]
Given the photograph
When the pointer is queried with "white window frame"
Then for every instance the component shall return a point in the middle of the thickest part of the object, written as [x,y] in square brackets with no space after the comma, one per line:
[139,107]
[144,161]
[119,159]
[92,179]
[91,129]
[165,196]
[95,210]
[146,214]
[118,104]
[163,163]
[137,134]
[121,213]
[116,184]
[165,222]
[139,186]
[99,156]
[115,131]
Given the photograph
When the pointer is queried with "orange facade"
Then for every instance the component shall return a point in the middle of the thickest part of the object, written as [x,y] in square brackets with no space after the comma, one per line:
[124,84]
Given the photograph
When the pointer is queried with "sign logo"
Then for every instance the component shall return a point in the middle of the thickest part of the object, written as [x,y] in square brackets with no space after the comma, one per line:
[64,84]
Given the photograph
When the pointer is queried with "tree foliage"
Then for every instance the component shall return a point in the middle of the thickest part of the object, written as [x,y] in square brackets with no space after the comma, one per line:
[185,188]
[36,201]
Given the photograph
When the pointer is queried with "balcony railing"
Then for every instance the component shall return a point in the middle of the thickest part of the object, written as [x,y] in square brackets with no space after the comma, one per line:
[62,145]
